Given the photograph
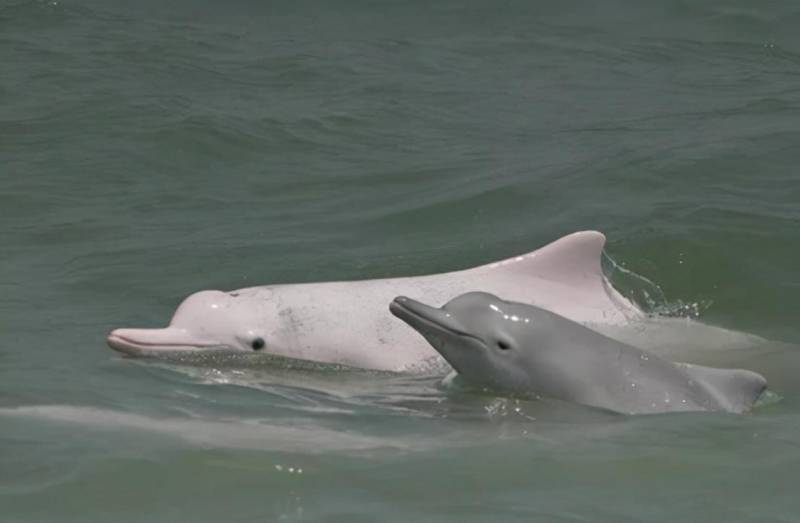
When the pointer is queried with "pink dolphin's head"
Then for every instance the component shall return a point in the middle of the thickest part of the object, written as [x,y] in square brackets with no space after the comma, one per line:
[205,321]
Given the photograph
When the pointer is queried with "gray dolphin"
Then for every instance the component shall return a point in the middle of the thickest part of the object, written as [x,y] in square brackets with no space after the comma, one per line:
[522,348]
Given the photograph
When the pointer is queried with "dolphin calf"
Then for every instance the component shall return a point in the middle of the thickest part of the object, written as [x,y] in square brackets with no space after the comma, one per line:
[523,348]
[347,322]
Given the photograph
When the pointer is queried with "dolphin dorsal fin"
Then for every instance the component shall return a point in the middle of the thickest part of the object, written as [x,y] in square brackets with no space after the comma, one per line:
[571,259]
[734,389]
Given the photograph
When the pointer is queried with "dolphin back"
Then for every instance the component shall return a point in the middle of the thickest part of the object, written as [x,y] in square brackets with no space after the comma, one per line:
[736,390]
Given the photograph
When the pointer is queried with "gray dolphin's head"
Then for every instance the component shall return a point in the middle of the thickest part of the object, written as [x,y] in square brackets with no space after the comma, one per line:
[205,321]
[486,339]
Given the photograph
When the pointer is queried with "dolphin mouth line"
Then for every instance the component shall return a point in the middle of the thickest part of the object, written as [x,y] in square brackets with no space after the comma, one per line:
[403,311]
[126,344]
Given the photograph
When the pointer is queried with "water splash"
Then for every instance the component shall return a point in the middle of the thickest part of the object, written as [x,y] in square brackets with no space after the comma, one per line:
[647,294]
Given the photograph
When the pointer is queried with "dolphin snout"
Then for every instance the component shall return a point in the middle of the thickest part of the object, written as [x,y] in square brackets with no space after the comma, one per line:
[425,318]
[137,341]
[404,307]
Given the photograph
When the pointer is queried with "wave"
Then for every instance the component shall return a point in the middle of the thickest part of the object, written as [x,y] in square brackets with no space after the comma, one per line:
[240,433]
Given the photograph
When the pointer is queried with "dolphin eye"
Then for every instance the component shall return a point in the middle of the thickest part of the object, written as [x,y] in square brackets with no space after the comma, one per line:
[503,345]
[258,344]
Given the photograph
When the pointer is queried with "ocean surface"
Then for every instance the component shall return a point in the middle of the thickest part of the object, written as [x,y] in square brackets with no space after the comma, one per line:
[152,149]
